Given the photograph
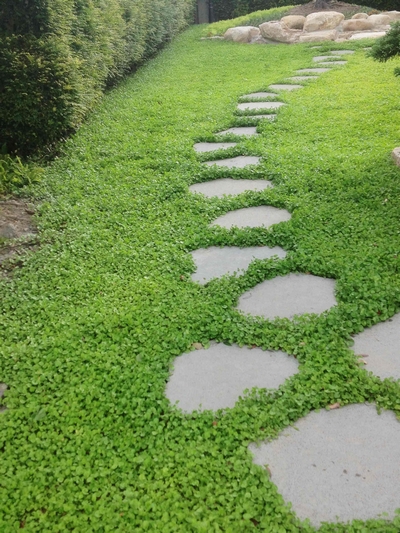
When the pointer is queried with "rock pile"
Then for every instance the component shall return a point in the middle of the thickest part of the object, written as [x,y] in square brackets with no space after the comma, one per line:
[316,27]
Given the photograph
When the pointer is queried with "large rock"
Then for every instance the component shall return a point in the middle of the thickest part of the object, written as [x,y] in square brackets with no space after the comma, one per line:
[242,34]
[360,16]
[327,20]
[379,20]
[367,35]
[318,36]
[357,25]
[275,31]
[396,156]
[394,15]
[293,22]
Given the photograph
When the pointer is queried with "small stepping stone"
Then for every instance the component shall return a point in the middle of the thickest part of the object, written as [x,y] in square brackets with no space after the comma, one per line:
[211,147]
[228,186]
[252,217]
[283,87]
[381,344]
[287,296]
[321,58]
[317,69]
[342,52]
[333,63]
[259,95]
[303,78]
[215,262]
[260,105]
[240,161]
[262,117]
[247,131]
[3,388]
[337,465]
[217,377]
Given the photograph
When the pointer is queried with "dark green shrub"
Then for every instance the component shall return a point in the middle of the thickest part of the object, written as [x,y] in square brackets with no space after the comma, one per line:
[388,46]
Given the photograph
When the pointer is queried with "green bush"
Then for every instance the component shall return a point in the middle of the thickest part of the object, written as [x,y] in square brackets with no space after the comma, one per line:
[388,46]
[14,174]
[58,56]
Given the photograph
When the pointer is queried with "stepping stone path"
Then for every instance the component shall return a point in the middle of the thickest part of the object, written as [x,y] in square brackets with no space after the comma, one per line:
[214,262]
[210,147]
[215,378]
[381,346]
[240,161]
[287,296]
[227,186]
[252,217]
[337,465]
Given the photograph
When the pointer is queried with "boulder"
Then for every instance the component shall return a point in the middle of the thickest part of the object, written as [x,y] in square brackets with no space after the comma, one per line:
[293,22]
[396,156]
[274,31]
[394,15]
[327,20]
[379,20]
[357,25]
[360,16]
[367,35]
[318,36]
[242,34]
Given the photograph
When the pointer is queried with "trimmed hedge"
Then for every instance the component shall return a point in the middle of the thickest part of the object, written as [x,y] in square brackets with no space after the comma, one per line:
[58,56]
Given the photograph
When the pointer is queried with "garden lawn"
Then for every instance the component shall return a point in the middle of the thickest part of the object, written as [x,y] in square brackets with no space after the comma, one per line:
[93,320]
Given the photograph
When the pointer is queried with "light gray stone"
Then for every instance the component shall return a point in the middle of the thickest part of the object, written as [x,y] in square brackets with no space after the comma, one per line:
[260,105]
[284,87]
[358,24]
[228,186]
[342,52]
[316,70]
[379,20]
[211,147]
[286,296]
[303,78]
[316,59]
[321,21]
[396,156]
[333,63]
[367,35]
[217,377]
[247,131]
[337,465]
[393,15]
[252,217]
[318,36]
[240,161]
[242,34]
[262,117]
[381,343]
[215,262]
[259,95]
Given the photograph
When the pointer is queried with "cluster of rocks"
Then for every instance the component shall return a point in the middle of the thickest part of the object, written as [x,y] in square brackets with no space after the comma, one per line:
[316,27]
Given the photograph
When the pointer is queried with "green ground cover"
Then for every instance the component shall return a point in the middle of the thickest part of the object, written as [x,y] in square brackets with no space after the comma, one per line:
[93,319]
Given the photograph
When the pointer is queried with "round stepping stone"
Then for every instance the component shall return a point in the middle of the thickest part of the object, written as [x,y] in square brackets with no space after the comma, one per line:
[260,105]
[303,78]
[287,296]
[337,465]
[247,131]
[211,147]
[381,344]
[240,161]
[316,59]
[317,69]
[342,52]
[259,95]
[333,63]
[283,87]
[252,217]
[262,117]
[228,186]
[214,262]
[215,378]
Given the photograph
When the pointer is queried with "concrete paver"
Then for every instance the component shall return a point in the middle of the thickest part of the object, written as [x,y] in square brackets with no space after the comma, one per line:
[319,70]
[210,147]
[228,186]
[247,131]
[252,217]
[259,95]
[240,161]
[260,105]
[285,87]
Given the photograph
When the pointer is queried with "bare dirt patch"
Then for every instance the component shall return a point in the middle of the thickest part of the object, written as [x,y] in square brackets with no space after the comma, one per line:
[348,10]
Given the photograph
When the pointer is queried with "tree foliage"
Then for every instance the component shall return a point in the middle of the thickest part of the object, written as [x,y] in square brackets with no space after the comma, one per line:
[388,46]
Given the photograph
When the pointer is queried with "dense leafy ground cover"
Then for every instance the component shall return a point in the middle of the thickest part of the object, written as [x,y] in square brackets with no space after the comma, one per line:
[93,320]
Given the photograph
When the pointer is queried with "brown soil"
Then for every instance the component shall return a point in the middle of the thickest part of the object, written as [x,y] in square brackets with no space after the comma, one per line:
[348,10]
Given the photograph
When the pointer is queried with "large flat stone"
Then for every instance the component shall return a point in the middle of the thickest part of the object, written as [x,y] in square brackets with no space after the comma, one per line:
[317,70]
[367,35]
[262,117]
[316,59]
[260,105]
[240,161]
[342,52]
[215,378]
[303,78]
[337,465]
[259,95]
[228,186]
[252,217]
[247,131]
[211,147]
[286,296]
[285,87]
[333,63]
[381,344]
[214,262]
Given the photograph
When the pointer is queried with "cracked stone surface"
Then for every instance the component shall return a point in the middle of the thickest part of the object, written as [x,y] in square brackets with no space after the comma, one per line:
[382,345]
[303,78]
[259,95]
[337,465]
[245,130]
[210,147]
[215,378]
[286,296]
[240,161]
[214,262]
[228,186]
[252,217]
[285,87]
[260,105]
[320,70]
